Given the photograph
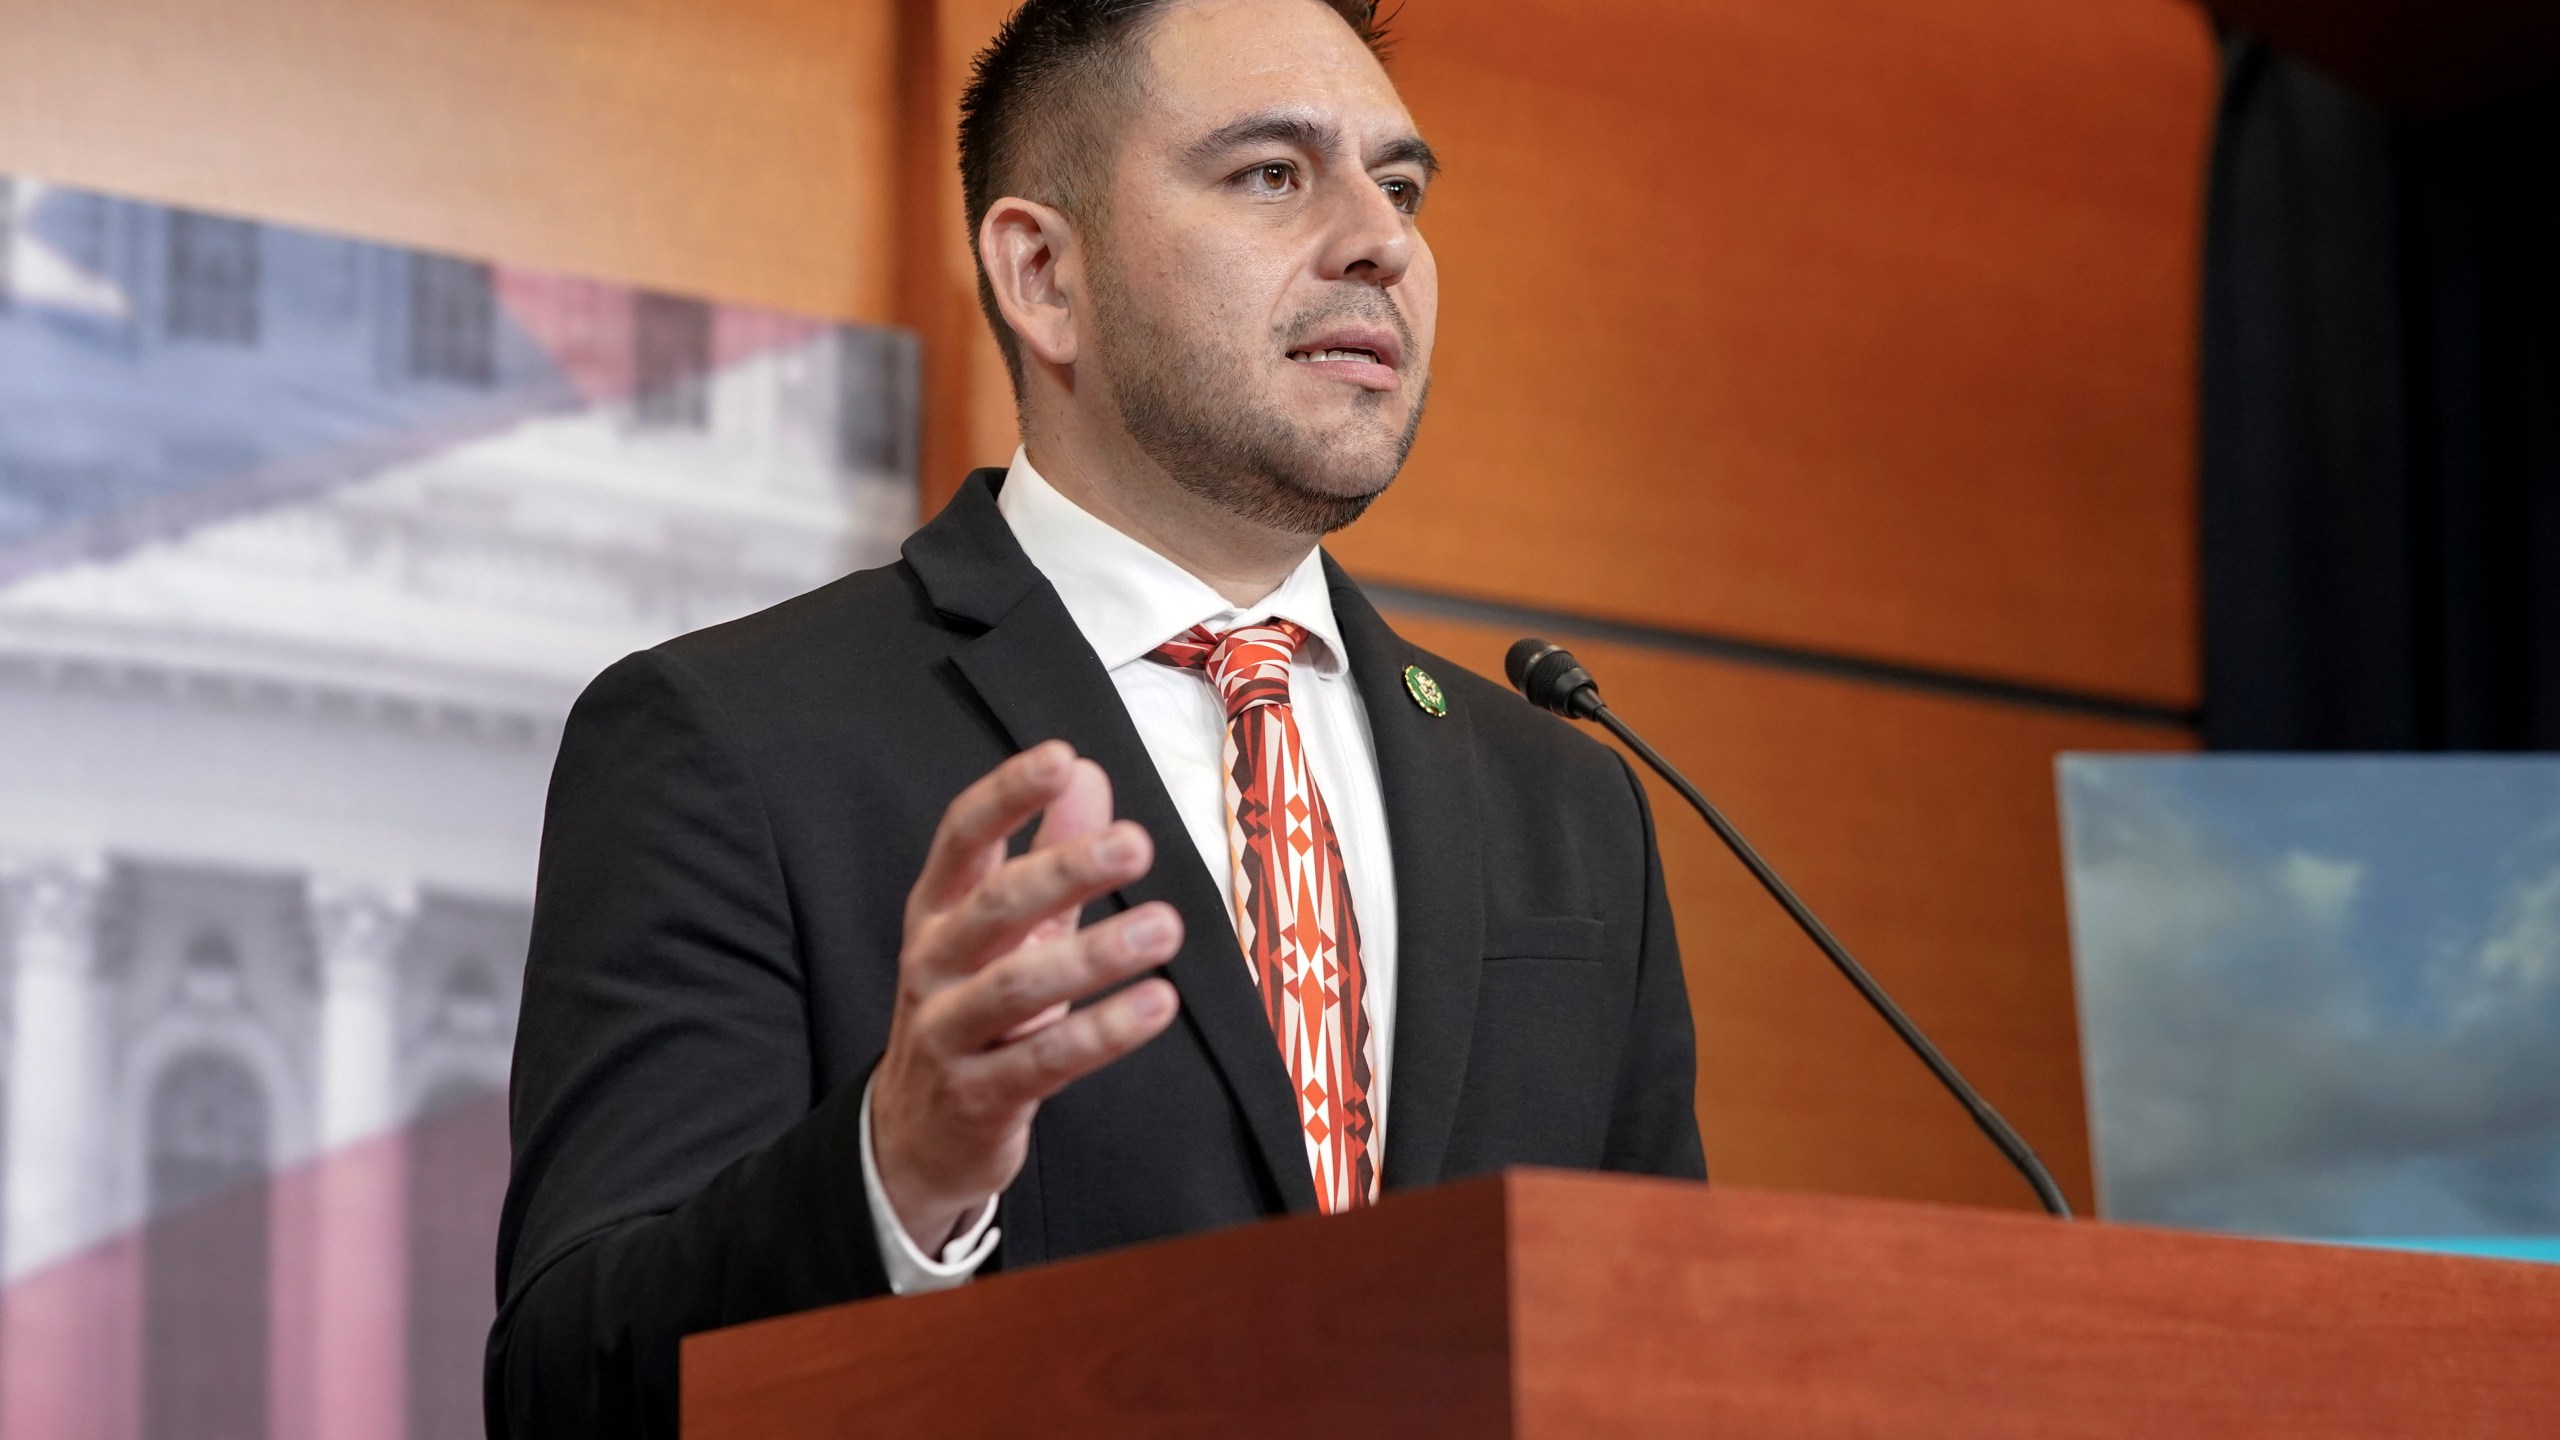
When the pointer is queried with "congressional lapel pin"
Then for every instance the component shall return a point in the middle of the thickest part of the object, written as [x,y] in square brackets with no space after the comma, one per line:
[1425,691]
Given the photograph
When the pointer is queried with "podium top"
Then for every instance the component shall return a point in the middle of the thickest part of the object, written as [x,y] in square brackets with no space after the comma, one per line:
[1544,1304]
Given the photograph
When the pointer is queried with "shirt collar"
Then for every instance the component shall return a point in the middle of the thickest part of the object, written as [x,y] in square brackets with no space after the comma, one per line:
[1126,598]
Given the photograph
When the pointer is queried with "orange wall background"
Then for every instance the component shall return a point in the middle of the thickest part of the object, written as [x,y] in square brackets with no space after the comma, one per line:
[1858,326]
[1865,327]
[744,150]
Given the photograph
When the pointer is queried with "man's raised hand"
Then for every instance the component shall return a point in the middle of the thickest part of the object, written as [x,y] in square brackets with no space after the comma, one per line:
[992,961]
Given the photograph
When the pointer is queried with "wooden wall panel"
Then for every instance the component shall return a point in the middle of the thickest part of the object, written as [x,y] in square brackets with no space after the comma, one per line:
[969,416]
[1857,324]
[1923,830]
[1863,325]
[744,150]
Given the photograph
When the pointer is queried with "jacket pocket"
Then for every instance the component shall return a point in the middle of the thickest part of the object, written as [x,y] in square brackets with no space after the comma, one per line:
[1544,937]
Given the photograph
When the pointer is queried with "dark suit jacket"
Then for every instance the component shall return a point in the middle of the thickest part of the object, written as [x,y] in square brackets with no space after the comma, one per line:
[734,821]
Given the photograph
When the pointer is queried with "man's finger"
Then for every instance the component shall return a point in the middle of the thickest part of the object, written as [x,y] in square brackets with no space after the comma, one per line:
[1082,808]
[995,1003]
[1080,812]
[1003,909]
[1046,1061]
[967,844]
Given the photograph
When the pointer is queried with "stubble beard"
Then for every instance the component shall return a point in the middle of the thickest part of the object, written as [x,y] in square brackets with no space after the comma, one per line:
[1192,409]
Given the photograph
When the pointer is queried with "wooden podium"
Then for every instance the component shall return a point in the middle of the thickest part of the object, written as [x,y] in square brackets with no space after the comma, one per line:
[1542,1304]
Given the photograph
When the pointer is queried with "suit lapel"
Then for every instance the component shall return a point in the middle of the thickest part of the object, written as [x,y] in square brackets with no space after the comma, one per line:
[1039,678]
[1427,774]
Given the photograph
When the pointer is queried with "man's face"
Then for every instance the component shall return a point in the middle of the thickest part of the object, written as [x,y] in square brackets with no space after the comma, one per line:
[1263,299]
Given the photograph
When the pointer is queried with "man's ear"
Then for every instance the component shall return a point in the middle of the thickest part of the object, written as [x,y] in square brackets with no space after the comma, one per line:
[1036,269]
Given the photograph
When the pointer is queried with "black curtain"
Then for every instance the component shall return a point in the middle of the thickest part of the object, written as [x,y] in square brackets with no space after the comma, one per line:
[2381,444]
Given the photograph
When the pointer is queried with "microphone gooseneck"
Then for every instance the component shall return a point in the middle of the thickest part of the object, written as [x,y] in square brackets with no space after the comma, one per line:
[1553,680]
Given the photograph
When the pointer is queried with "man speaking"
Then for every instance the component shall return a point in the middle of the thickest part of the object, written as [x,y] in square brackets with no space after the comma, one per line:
[1304,914]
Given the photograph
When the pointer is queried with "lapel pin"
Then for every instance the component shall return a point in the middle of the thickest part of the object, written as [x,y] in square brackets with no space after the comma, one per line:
[1425,691]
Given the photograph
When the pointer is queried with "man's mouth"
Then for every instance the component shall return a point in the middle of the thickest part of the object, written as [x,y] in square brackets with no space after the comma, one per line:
[1359,355]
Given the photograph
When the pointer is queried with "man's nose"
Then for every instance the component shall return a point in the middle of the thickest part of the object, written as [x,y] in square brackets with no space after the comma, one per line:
[1366,237]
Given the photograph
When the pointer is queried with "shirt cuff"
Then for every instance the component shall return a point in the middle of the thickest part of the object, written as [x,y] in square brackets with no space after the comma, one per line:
[911,1271]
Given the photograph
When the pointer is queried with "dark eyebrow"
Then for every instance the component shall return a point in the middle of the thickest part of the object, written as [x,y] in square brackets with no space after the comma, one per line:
[1411,150]
[1313,136]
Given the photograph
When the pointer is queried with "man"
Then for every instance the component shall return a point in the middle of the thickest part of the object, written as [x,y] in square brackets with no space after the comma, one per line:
[804,1022]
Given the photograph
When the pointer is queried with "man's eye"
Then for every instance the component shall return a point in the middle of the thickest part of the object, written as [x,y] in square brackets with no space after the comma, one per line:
[1273,179]
[1405,195]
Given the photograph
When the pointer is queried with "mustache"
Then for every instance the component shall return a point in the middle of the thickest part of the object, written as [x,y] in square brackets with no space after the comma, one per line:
[1363,304]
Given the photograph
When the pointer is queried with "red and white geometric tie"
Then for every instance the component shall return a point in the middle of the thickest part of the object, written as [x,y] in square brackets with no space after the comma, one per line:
[1293,901]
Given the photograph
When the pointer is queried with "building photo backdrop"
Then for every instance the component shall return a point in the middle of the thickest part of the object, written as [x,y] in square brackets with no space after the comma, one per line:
[306,545]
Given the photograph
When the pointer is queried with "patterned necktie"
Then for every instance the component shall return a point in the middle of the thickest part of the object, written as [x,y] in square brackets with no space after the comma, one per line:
[1293,901]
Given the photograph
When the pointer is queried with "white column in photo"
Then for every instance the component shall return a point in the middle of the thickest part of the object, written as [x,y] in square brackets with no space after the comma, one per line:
[359,926]
[51,903]
[53,1346]
[360,1179]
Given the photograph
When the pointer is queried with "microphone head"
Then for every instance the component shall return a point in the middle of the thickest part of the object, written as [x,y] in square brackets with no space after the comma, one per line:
[1552,679]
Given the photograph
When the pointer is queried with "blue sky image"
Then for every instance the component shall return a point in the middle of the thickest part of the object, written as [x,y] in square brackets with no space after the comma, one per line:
[2320,996]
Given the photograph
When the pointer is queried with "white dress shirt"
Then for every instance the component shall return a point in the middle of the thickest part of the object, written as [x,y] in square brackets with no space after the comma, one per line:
[1127,600]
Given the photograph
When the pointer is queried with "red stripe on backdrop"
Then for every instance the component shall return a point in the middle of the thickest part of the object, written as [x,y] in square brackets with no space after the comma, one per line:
[361,1303]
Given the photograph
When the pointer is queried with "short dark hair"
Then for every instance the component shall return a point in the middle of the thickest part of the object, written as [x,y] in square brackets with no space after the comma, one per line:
[1043,99]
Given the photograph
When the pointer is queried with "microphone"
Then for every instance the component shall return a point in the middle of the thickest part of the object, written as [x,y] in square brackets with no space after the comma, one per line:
[1553,680]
